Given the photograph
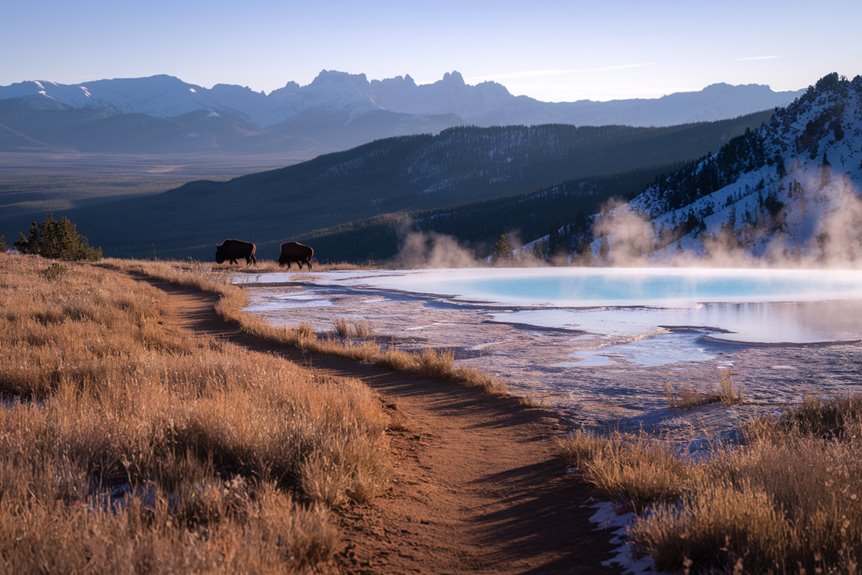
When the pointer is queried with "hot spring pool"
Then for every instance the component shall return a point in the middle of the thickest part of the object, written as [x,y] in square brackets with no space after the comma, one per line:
[754,306]
[603,344]
[608,287]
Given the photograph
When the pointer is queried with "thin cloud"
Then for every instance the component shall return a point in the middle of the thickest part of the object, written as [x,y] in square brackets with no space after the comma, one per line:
[755,58]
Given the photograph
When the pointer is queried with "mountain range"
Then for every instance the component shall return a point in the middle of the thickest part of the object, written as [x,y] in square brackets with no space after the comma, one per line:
[787,189]
[336,111]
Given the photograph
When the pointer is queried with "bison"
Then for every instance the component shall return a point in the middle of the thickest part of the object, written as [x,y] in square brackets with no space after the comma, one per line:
[232,250]
[295,252]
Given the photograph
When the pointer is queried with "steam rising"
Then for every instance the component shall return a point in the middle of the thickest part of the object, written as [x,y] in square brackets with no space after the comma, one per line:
[624,236]
[819,225]
[838,240]
[432,250]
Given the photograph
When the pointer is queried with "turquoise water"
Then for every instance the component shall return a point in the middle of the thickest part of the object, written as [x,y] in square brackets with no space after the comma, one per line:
[742,305]
[588,287]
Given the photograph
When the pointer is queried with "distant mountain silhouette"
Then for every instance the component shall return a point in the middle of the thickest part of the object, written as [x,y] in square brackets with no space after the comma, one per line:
[336,111]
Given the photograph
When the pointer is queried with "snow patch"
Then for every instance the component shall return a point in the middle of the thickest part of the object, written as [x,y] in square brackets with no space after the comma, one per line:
[607,518]
[86,91]
[193,91]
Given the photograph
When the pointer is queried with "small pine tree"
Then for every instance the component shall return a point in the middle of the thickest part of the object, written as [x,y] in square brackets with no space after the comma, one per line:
[502,249]
[540,250]
[57,239]
[780,168]
[554,240]
[3,246]
[825,171]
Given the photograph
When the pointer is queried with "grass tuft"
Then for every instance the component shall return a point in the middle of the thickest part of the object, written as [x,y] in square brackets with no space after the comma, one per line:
[352,330]
[725,393]
[633,469]
[342,327]
[54,271]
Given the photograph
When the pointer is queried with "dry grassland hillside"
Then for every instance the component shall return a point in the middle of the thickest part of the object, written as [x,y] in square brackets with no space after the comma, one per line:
[132,448]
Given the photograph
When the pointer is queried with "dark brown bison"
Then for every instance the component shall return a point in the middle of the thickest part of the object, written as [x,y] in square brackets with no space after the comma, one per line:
[232,250]
[295,252]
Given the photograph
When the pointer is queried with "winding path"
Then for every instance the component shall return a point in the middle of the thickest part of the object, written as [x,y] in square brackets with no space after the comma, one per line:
[477,486]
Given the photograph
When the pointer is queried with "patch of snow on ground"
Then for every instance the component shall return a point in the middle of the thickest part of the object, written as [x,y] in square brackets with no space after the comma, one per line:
[607,518]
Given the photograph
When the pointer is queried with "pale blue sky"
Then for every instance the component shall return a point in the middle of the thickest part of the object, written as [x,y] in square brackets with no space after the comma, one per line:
[550,50]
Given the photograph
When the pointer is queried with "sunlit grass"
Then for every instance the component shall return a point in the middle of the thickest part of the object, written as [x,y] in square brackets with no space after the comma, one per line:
[128,447]
[790,500]
[725,393]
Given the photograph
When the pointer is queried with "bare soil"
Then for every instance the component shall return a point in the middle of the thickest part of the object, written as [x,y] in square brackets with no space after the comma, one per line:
[477,485]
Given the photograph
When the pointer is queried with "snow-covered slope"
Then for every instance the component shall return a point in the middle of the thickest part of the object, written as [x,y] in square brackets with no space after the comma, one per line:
[790,192]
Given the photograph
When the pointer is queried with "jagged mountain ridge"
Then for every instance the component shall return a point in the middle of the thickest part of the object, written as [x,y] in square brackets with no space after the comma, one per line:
[335,111]
[787,192]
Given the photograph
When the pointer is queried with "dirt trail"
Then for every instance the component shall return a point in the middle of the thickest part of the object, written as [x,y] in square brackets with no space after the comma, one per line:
[477,486]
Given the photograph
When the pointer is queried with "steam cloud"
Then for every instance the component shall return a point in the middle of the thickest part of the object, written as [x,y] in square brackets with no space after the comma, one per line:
[820,227]
[432,250]
[625,237]
[838,241]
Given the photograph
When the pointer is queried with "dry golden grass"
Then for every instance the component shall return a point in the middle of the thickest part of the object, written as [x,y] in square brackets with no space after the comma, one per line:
[131,449]
[789,501]
[356,329]
[634,469]
[362,330]
[437,363]
[342,327]
[725,393]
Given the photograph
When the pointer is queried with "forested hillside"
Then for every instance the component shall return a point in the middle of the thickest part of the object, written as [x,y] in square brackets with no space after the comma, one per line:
[560,212]
[456,167]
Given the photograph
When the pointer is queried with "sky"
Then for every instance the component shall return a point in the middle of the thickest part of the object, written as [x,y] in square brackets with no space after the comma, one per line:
[551,50]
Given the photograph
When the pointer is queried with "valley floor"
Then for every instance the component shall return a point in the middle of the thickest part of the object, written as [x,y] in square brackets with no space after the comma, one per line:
[478,486]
